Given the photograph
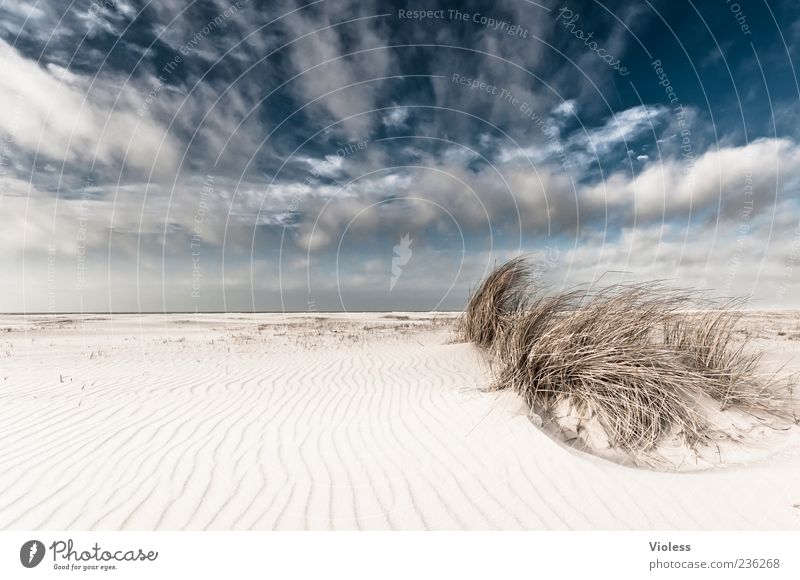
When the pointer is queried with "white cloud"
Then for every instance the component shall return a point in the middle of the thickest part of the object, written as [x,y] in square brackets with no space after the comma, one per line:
[23,10]
[323,42]
[396,117]
[726,178]
[584,146]
[566,108]
[724,261]
[48,111]
[620,128]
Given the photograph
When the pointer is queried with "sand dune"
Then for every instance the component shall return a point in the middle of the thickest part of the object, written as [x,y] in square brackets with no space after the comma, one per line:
[357,421]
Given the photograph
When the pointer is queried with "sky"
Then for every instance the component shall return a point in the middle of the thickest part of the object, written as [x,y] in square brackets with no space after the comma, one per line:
[364,155]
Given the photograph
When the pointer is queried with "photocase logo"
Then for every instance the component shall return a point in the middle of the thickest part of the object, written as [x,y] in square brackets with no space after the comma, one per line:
[31,553]
[402,254]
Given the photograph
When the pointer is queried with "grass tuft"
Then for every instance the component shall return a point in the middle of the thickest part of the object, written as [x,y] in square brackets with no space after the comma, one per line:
[495,303]
[639,358]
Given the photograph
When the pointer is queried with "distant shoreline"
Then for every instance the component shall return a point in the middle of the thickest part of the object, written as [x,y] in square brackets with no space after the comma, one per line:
[65,313]
[128,313]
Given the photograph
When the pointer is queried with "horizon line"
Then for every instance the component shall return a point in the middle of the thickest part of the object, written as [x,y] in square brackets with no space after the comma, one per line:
[59,313]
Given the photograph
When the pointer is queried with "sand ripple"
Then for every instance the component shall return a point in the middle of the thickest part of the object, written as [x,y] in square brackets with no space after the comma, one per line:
[298,423]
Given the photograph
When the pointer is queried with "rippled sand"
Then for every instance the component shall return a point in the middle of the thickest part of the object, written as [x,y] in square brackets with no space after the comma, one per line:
[351,421]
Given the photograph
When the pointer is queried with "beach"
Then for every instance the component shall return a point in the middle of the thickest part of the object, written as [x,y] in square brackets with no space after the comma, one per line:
[341,421]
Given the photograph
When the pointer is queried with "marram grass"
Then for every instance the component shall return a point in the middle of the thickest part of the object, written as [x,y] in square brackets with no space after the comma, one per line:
[638,357]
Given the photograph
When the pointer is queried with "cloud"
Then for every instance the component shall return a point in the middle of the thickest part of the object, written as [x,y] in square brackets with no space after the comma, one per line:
[728,261]
[584,146]
[730,185]
[51,113]
[438,196]
[725,181]
[469,175]
[619,128]
[396,117]
[345,66]
[566,108]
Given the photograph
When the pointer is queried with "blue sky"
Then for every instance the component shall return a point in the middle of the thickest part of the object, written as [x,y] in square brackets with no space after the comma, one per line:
[332,155]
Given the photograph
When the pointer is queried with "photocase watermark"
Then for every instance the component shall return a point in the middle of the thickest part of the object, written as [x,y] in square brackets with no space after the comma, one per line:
[791,261]
[66,557]
[185,50]
[7,142]
[51,278]
[550,259]
[684,134]
[5,158]
[331,164]
[83,232]
[739,15]
[568,19]
[402,255]
[541,122]
[31,553]
[488,22]
[677,110]
[196,240]
[565,15]
[743,232]
[550,134]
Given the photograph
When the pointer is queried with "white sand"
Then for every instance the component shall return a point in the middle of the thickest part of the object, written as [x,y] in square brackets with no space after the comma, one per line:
[352,421]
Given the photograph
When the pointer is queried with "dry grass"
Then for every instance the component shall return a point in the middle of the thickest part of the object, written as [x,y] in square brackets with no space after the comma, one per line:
[708,343]
[634,357]
[495,303]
